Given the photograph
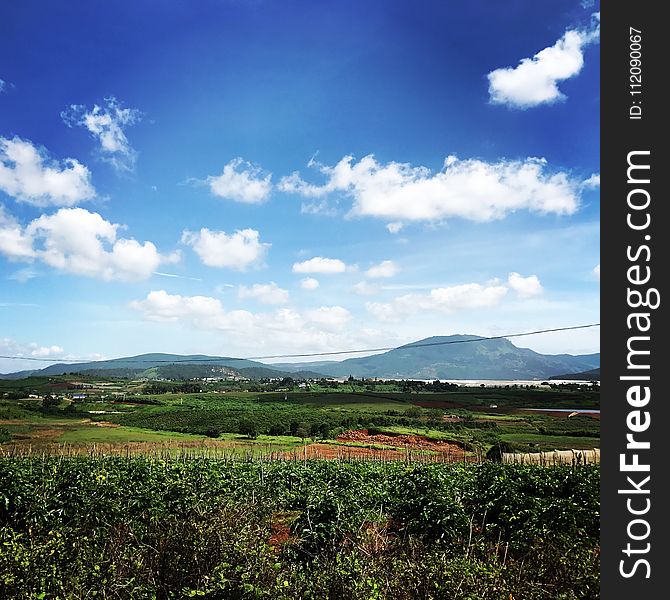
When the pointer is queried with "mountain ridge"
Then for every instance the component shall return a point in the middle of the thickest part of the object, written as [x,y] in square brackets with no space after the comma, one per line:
[437,357]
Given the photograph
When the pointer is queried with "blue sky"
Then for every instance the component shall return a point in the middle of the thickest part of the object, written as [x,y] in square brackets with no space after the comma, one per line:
[253,177]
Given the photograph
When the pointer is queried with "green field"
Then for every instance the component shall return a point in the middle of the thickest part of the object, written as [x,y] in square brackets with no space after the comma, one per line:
[278,421]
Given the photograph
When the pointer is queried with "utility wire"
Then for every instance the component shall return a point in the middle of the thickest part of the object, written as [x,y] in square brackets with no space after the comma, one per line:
[339,352]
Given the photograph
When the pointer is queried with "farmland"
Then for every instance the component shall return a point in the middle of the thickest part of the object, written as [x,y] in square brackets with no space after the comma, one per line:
[162,490]
[47,413]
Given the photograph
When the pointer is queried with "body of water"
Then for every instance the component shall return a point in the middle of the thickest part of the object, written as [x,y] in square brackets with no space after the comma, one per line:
[567,410]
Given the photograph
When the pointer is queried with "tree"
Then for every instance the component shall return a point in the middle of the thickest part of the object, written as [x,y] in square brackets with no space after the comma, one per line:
[213,432]
[50,401]
[302,431]
[249,428]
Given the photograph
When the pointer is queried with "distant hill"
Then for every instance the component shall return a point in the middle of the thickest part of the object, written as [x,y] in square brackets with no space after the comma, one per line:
[591,375]
[451,357]
[158,365]
[457,357]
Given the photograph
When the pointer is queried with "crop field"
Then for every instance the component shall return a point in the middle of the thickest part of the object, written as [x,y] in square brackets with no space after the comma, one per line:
[133,414]
[175,528]
[168,490]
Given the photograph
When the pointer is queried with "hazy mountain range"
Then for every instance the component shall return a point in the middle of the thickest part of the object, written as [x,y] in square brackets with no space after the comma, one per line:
[450,357]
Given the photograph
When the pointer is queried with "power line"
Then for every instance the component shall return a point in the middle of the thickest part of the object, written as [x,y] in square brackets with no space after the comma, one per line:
[314,354]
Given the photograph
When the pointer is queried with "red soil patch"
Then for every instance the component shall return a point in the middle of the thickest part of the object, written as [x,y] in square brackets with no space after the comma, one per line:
[280,530]
[402,440]
[402,446]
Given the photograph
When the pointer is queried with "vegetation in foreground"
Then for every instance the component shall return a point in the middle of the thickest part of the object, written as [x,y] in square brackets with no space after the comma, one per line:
[144,528]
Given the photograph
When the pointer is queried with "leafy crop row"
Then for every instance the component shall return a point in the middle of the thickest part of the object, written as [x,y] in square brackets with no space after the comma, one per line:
[149,528]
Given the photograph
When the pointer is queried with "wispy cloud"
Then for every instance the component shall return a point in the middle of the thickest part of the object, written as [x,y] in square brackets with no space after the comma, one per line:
[175,276]
[107,125]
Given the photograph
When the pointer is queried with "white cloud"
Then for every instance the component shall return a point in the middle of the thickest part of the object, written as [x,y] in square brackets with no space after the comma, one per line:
[382,311]
[237,250]
[286,328]
[455,298]
[309,283]
[241,181]
[470,189]
[321,207]
[266,293]
[394,227]
[15,243]
[27,174]
[23,275]
[330,317]
[77,241]
[363,288]
[2,85]
[46,351]
[386,268]
[31,350]
[592,182]
[596,271]
[446,300]
[106,124]
[525,287]
[318,264]
[534,80]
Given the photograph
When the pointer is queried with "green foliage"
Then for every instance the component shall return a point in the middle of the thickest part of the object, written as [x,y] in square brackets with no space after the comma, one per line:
[249,428]
[148,528]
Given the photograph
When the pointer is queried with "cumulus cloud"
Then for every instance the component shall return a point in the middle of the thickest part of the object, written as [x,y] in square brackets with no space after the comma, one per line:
[237,250]
[455,298]
[318,264]
[28,175]
[592,182]
[31,350]
[446,300]
[314,329]
[309,283]
[266,293]
[15,242]
[241,181]
[107,124]
[596,271]
[394,227]
[470,189]
[525,287]
[534,80]
[77,241]
[386,268]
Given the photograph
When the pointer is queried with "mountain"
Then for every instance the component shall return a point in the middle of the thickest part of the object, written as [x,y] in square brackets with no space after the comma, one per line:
[591,375]
[156,365]
[456,357]
[451,357]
